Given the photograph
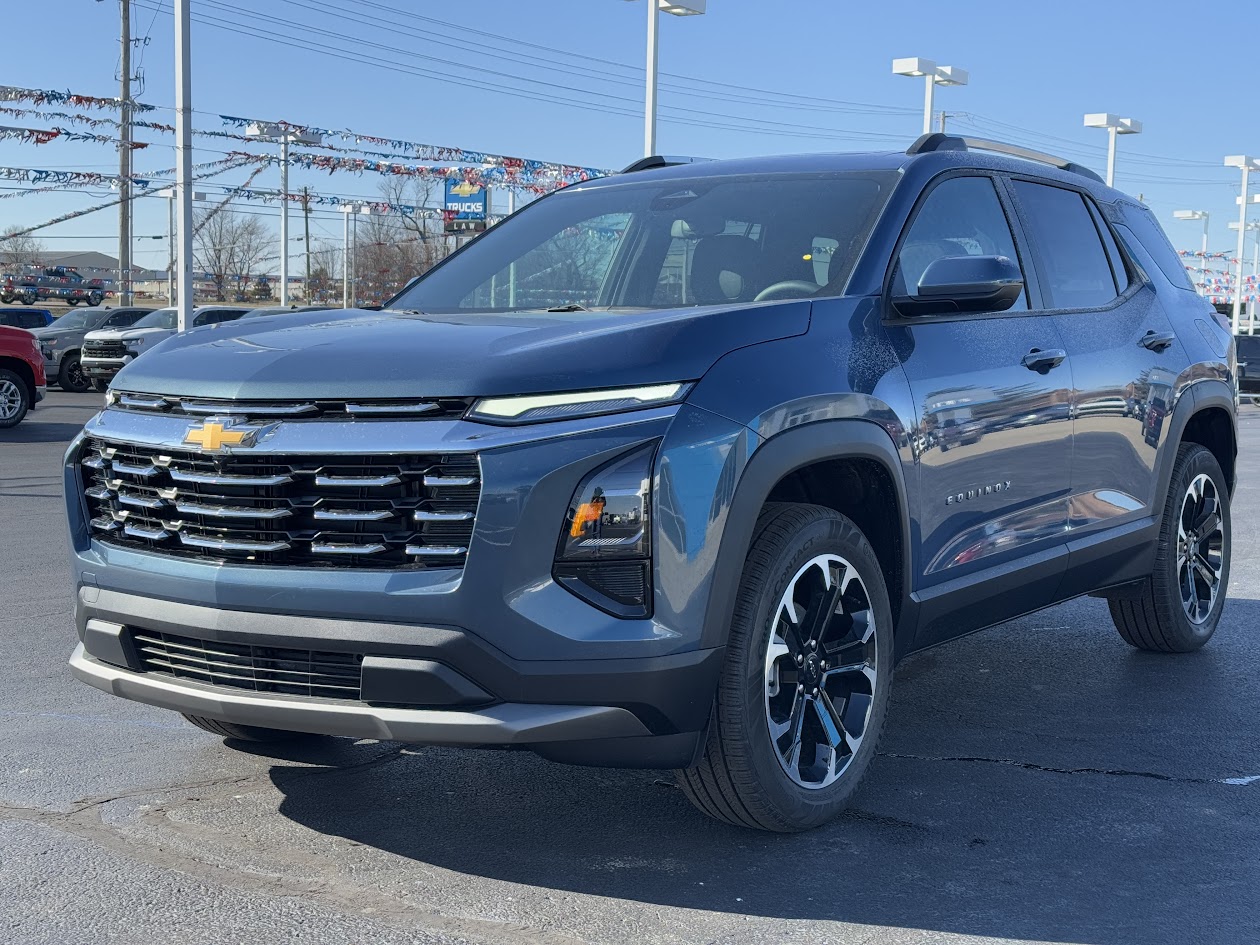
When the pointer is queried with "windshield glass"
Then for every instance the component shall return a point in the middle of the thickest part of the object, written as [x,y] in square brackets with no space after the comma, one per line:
[80,319]
[162,318]
[665,244]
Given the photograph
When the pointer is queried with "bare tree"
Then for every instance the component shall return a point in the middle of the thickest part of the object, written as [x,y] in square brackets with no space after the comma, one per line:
[230,247]
[18,250]
[325,284]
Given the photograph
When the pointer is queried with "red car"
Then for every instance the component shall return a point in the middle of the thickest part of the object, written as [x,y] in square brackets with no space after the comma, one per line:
[22,383]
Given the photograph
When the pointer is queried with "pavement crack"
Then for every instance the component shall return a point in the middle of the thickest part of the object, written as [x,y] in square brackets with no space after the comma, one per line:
[1113,772]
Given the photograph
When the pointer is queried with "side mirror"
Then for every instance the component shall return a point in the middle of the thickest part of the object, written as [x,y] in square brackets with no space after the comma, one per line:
[955,284]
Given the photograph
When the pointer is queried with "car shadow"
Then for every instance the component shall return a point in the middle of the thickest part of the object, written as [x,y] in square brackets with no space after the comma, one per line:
[1088,806]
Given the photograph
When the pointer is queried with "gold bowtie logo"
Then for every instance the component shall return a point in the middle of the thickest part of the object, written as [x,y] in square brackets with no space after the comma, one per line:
[213,436]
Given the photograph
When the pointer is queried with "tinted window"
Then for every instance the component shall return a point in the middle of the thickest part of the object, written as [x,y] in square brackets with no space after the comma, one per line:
[31,320]
[1074,264]
[1155,241]
[1118,268]
[962,216]
[122,319]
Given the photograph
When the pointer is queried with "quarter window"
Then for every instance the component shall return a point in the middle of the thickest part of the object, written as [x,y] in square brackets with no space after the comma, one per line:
[1076,271]
[962,216]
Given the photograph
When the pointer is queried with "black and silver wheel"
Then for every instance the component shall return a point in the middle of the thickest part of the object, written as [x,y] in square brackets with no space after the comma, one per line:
[95,298]
[30,298]
[243,733]
[803,693]
[1178,607]
[71,376]
[15,399]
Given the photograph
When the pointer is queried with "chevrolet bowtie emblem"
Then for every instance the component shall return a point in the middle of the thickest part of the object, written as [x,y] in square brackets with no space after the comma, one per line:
[215,436]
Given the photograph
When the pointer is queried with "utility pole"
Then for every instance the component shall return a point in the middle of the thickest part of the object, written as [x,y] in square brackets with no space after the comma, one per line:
[183,161]
[124,162]
[306,241]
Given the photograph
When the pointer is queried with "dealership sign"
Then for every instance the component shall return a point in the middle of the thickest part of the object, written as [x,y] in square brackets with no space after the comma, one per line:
[465,207]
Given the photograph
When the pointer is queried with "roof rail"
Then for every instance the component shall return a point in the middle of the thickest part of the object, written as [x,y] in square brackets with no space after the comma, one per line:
[653,161]
[939,141]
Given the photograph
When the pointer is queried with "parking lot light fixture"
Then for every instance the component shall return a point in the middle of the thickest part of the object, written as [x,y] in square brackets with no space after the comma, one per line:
[1114,126]
[655,8]
[286,135]
[1246,163]
[934,75]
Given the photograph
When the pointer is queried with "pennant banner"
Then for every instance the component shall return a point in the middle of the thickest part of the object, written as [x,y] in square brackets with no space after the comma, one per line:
[12,93]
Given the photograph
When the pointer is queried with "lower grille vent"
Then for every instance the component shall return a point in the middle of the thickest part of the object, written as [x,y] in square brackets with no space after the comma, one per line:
[323,673]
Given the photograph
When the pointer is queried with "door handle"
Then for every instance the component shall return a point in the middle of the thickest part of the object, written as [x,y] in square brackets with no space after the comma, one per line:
[1157,340]
[1043,361]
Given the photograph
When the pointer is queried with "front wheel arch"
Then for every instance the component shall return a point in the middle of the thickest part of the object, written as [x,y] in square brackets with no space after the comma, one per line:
[776,460]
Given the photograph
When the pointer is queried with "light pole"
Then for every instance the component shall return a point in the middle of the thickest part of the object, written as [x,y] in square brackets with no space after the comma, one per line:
[1254,228]
[1197,215]
[349,239]
[655,8]
[274,131]
[1115,126]
[934,75]
[1247,164]
[183,160]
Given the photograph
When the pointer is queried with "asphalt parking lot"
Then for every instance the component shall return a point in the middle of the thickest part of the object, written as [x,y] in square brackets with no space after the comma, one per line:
[1039,782]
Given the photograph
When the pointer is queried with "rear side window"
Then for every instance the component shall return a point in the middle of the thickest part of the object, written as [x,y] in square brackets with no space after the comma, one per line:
[122,319]
[1076,272]
[1155,241]
[30,320]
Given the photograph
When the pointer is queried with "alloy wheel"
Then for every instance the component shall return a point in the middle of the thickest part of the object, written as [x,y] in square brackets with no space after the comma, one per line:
[820,671]
[10,399]
[1200,548]
[76,377]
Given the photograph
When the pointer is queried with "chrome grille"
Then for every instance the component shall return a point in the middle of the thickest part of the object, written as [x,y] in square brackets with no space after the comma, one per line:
[379,512]
[295,672]
[417,408]
[104,349]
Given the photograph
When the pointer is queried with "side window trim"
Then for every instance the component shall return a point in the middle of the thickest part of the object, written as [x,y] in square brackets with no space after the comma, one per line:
[1119,270]
[1022,249]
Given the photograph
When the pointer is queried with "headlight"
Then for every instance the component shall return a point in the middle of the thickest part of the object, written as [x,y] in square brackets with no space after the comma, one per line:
[533,408]
[50,343]
[605,549]
[134,343]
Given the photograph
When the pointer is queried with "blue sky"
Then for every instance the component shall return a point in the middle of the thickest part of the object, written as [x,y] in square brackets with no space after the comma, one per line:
[561,80]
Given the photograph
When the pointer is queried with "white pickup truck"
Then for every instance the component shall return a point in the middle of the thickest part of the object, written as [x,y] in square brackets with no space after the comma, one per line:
[106,351]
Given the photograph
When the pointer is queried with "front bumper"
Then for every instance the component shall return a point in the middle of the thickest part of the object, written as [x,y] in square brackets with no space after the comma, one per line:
[41,391]
[102,369]
[646,712]
[504,724]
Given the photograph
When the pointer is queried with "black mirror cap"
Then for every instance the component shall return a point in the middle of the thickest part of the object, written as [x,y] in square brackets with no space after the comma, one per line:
[964,284]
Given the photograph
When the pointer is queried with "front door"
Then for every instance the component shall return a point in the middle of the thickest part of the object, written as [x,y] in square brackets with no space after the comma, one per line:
[994,432]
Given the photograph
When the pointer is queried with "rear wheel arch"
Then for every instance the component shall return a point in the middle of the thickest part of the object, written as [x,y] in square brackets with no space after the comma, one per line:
[807,464]
[1203,414]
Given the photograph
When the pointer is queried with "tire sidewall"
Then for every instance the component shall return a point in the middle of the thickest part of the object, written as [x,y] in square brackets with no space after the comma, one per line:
[1200,462]
[809,807]
[63,375]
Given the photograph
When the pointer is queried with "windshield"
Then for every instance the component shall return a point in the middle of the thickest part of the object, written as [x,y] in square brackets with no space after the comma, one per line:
[161,318]
[665,244]
[79,319]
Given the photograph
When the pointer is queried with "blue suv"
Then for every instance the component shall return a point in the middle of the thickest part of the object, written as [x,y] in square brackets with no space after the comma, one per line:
[669,469]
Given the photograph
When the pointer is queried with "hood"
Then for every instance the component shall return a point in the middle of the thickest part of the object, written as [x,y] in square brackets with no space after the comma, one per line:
[52,331]
[336,354]
[123,334]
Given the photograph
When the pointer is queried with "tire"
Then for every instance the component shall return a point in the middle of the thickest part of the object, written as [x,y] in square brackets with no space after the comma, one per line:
[99,386]
[243,733]
[747,778]
[15,399]
[72,302]
[95,298]
[7,297]
[30,298]
[1176,609]
[70,376]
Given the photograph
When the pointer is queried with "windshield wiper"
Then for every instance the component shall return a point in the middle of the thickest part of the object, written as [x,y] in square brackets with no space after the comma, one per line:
[569,307]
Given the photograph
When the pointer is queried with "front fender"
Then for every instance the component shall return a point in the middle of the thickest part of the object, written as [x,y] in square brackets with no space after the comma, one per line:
[775,458]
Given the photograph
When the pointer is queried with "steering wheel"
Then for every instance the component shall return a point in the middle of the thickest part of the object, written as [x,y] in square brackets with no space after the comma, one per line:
[781,290]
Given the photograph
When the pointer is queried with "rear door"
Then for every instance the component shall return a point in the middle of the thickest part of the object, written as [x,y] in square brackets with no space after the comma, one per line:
[1125,360]
[994,434]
